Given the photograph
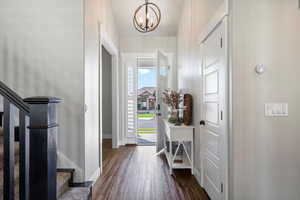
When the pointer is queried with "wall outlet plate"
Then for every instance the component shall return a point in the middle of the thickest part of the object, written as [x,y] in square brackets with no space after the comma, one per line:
[276,110]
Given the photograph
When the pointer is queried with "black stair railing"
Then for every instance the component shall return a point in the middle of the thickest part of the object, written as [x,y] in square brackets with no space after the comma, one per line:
[12,101]
[37,142]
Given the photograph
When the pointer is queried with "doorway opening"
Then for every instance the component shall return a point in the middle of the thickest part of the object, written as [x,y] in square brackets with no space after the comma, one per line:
[107,129]
[146,102]
[146,77]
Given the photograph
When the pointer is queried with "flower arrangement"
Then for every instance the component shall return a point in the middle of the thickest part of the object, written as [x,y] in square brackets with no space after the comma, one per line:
[172,99]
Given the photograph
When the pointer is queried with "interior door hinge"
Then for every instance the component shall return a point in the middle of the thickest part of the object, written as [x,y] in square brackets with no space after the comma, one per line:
[222,188]
[221,42]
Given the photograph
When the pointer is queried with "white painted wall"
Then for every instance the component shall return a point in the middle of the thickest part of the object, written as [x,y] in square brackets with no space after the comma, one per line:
[266,161]
[96,12]
[91,93]
[108,26]
[196,14]
[147,44]
[41,53]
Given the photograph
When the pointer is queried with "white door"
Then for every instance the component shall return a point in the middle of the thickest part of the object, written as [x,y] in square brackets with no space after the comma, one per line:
[131,102]
[215,111]
[162,84]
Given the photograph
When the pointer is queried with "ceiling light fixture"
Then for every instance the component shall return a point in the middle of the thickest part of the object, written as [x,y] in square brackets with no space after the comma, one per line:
[146,17]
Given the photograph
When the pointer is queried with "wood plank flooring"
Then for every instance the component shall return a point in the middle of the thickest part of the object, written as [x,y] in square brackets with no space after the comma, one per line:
[136,173]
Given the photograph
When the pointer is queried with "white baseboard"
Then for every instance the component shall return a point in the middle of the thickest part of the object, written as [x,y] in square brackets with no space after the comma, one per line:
[106,135]
[130,141]
[126,140]
[197,174]
[95,175]
[64,162]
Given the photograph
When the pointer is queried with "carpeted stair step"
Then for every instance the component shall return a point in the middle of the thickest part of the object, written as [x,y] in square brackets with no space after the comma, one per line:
[64,179]
[70,190]
[77,193]
[17,150]
[16,170]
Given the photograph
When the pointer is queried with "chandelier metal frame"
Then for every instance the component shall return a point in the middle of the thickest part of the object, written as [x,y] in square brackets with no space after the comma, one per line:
[145,27]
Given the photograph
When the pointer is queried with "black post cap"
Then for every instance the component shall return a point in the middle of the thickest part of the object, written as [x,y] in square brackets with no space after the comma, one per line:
[42,100]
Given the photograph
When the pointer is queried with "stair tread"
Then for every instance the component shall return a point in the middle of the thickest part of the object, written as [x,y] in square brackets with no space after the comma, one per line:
[17,153]
[62,182]
[76,193]
[64,192]
[63,179]
[17,150]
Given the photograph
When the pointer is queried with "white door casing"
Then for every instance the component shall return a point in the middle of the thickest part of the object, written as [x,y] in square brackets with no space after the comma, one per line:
[215,114]
[106,42]
[162,84]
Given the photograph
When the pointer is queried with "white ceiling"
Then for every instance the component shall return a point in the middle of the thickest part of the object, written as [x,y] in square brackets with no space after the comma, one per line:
[170,11]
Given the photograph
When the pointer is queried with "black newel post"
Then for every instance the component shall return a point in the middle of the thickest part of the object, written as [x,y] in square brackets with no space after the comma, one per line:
[43,158]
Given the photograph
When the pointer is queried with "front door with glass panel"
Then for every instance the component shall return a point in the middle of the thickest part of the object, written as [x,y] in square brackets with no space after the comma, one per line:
[162,84]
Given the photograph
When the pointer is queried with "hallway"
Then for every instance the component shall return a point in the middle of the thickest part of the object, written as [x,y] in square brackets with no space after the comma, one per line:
[135,173]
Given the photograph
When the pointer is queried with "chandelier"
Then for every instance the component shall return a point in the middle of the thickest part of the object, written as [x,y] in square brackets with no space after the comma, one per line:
[146,17]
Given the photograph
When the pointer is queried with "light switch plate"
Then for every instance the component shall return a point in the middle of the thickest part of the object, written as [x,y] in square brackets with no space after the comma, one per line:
[276,110]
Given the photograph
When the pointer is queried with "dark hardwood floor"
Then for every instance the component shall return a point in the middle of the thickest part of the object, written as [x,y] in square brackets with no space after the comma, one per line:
[135,173]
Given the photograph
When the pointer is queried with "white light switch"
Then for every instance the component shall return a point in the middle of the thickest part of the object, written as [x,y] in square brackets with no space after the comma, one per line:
[276,109]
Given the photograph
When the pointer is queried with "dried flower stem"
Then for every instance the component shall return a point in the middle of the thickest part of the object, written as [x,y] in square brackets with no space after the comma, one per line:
[171,98]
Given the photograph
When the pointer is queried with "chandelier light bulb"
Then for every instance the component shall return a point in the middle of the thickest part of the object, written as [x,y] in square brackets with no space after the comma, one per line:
[151,23]
[140,21]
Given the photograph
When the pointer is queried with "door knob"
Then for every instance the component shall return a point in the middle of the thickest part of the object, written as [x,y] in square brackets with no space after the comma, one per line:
[158,107]
[202,123]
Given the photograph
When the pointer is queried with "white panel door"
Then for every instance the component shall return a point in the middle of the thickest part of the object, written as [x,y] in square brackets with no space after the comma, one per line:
[214,123]
[162,84]
[131,103]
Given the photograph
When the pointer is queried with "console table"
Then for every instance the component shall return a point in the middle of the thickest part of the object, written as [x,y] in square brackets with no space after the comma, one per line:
[183,138]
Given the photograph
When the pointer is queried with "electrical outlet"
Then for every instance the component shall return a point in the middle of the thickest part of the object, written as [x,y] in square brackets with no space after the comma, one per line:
[276,109]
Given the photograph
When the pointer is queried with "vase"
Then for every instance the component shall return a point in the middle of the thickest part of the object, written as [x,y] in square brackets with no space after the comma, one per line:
[174,115]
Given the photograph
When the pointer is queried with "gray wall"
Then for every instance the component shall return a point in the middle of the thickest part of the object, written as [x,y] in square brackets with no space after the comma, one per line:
[266,161]
[106,93]
[41,53]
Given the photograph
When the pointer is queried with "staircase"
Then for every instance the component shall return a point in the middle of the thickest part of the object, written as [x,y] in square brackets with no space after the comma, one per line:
[16,144]
[65,191]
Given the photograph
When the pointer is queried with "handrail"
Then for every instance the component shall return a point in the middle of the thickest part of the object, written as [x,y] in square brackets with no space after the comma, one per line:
[13,97]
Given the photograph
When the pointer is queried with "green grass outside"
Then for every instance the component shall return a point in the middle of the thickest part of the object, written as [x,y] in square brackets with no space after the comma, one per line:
[151,115]
[147,129]
[145,133]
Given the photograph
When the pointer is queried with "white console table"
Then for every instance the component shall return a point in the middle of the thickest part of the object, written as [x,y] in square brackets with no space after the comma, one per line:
[182,135]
